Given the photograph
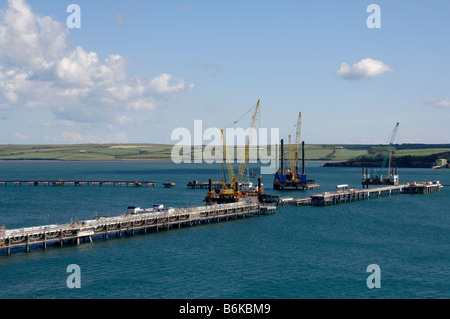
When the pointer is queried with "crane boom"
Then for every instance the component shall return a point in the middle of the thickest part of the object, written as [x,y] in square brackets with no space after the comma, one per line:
[297,136]
[386,157]
[247,146]
[291,154]
[229,164]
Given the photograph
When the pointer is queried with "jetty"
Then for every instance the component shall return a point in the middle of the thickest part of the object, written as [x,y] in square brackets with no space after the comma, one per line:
[196,185]
[135,219]
[78,183]
[423,187]
[290,201]
[353,194]
[344,195]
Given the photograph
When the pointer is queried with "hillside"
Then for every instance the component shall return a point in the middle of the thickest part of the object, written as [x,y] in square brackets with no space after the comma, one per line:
[413,158]
[405,155]
[86,152]
[148,152]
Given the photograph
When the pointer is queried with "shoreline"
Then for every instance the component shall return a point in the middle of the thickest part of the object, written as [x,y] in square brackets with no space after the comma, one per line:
[150,160]
[343,155]
[58,160]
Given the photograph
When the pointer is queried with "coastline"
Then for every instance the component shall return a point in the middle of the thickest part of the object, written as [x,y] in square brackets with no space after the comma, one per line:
[137,160]
[405,155]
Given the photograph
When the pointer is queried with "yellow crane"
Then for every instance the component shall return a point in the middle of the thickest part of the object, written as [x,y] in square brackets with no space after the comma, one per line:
[232,178]
[247,145]
[237,179]
[294,149]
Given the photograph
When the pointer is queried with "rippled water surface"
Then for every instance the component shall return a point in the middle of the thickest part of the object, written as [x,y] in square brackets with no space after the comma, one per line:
[300,252]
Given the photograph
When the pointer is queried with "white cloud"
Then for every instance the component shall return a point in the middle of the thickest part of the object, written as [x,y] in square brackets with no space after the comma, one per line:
[61,123]
[439,102]
[38,70]
[27,39]
[363,69]
[21,137]
[78,138]
[124,120]
[166,83]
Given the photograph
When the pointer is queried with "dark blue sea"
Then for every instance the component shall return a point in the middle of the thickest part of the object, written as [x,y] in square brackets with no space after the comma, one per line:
[299,252]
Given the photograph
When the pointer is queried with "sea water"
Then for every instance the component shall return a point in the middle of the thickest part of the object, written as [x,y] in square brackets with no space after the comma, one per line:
[299,252]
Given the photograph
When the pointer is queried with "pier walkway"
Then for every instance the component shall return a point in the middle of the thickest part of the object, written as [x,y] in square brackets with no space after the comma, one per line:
[353,194]
[135,219]
[197,185]
[78,183]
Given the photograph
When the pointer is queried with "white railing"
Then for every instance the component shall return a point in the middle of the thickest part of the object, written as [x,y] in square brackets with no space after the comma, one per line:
[125,218]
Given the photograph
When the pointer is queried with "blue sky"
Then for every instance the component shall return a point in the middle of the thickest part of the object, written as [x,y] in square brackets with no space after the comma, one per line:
[137,70]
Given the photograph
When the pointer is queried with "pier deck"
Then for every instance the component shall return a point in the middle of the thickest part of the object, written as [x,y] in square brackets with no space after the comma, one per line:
[197,185]
[78,183]
[289,201]
[423,188]
[136,220]
[295,186]
[353,194]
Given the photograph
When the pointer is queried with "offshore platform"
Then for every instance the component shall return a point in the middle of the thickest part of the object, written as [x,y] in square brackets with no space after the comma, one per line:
[289,178]
[376,177]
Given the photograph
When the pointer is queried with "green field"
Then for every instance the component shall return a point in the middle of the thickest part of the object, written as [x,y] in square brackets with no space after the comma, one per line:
[332,152]
[90,152]
[149,152]
[420,151]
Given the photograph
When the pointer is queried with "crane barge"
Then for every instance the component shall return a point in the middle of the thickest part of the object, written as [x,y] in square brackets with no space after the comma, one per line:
[234,189]
[290,178]
[377,177]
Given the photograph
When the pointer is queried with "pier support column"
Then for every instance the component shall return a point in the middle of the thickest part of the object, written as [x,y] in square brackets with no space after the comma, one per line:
[44,245]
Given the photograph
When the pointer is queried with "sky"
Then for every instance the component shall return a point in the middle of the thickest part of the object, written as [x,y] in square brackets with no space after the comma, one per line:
[135,71]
